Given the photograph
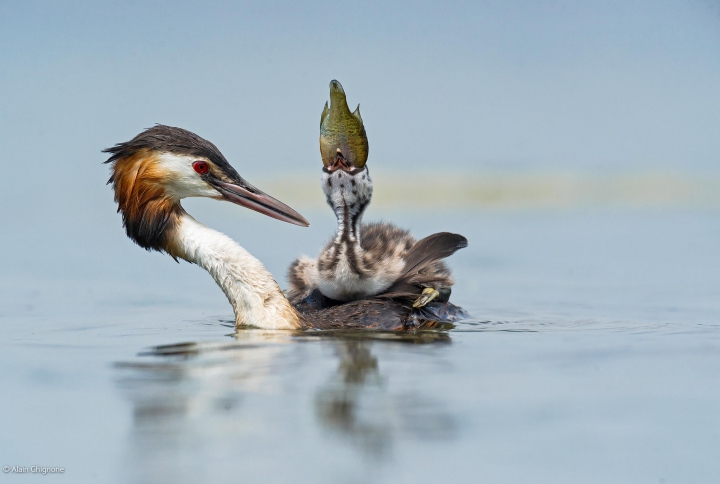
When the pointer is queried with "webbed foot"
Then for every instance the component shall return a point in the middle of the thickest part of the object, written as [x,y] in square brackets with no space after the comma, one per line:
[428,294]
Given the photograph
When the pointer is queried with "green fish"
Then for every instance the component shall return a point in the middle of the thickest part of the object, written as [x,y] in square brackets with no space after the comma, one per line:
[342,133]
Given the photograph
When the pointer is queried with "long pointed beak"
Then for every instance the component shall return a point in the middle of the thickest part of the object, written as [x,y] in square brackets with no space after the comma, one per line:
[248,196]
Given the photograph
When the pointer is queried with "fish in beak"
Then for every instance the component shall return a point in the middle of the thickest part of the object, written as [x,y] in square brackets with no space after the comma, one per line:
[343,141]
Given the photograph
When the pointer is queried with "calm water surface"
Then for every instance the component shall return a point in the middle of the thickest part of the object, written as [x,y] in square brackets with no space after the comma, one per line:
[593,356]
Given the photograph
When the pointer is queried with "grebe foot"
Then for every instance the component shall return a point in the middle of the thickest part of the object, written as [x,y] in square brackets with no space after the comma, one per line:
[428,294]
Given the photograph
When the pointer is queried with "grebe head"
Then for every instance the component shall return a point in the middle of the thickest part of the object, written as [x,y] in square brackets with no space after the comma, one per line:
[162,165]
[344,150]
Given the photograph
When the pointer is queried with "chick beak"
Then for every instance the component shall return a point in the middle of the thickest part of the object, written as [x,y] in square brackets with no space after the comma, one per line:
[339,163]
[242,193]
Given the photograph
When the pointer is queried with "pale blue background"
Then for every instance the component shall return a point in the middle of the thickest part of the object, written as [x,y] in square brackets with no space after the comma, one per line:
[606,85]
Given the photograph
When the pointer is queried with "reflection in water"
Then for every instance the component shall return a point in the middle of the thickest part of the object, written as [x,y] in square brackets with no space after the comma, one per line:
[195,402]
[173,394]
[338,403]
[356,404]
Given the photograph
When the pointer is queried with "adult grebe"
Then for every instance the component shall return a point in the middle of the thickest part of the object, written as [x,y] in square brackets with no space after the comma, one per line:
[364,260]
[151,173]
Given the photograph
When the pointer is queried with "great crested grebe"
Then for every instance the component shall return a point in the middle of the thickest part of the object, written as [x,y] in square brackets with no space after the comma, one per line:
[151,173]
[364,260]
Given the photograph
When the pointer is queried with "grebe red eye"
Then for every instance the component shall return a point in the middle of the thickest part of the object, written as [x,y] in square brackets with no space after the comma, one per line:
[201,167]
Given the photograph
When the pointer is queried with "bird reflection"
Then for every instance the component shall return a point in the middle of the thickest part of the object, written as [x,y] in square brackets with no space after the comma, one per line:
[206,399]
[338,403]
[357,405]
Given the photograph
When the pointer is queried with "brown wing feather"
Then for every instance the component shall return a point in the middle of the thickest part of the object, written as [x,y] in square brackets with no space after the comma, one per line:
[423,253]
[431,248]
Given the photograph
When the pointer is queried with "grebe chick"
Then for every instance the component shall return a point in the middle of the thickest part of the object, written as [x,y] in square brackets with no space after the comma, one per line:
[154,171]
[364,260]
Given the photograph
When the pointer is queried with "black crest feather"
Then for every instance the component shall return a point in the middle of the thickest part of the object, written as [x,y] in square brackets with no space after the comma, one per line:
[170,139]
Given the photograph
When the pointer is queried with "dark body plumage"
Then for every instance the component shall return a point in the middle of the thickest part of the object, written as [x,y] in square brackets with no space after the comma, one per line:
[388,314]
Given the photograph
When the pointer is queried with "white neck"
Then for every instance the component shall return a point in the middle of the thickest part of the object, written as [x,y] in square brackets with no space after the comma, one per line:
[255,296]
[348,195]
